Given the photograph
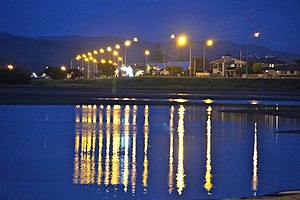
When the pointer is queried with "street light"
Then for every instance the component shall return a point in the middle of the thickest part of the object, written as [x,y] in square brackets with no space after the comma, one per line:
[63,68]
[207,44]
[10,67]
[182,40]
[127,44]
[255,35]
[88,69]
[147,53]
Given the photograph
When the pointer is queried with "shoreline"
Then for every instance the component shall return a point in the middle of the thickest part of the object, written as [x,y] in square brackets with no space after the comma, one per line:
[51,95]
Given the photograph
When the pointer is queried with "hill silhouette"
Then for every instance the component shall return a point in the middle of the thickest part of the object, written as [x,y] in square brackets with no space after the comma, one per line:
[35,53]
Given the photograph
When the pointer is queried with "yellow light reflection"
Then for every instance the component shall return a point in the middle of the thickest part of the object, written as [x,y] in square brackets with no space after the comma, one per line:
[134,131]
[100,143]
[180,168]
[255,161]
[146,135]
[208,101]
[171,152]
[115,178]
[107,151]
[208,176]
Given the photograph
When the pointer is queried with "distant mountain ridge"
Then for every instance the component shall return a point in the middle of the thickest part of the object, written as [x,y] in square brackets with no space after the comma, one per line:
[35,53]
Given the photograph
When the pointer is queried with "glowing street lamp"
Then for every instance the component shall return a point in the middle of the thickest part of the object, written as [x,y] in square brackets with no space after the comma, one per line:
[147,53]
[10,67]
[255,35]
[182,40]
[88,69]
[103,61]
[95,52]
[118,46]
[207,44]
[101,51]
[127,44]
[63,68]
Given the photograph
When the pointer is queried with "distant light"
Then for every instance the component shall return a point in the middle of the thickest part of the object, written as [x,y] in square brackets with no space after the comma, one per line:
[135,39]
[254,102]
[95,52]
[108,49]
[256,34]
[63,68]
[89,54]
[103,61]
[209,42]
[115,53]
[208,101]
[127,43]
[173,36]
[10,67]
[101,50]
[179,100]
[182,40]
[118,46]
[147,52]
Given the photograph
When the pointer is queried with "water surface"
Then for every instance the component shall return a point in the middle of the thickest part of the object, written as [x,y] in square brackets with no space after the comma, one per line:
[150,152]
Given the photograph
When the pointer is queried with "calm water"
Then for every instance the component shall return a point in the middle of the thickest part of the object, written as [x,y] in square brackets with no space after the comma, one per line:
[150,152]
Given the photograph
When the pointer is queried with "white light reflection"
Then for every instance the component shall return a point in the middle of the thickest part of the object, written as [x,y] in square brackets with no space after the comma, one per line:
[171,159]
[146,135]
[134,131]
[255,161]
[180,168]
[208,176]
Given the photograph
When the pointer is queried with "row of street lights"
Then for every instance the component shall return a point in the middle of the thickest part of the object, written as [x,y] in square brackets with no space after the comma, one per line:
[91,56]
[182,40]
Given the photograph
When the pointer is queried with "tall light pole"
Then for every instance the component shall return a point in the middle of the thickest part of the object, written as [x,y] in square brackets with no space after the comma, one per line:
[207,43]
[255,35]
[127,44]
[182,40]
[147,53]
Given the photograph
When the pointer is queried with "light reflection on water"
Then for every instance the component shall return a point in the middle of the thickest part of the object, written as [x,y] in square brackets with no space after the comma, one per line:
[152,152]
[121,167]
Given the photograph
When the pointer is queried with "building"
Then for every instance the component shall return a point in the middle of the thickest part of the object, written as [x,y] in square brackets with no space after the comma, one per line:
[266,62]
[283,70]
[226,66]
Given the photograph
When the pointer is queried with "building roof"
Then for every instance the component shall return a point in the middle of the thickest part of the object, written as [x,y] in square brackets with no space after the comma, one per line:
[221,60]
[290,67]
[265,60]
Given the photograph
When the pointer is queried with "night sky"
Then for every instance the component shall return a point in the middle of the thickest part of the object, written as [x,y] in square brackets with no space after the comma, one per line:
[154,20]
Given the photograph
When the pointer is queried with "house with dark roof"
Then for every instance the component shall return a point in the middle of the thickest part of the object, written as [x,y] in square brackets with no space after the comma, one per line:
[266,62]
[226,66]
[283,70]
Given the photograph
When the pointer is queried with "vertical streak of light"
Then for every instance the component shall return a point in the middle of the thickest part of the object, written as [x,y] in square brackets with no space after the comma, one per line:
[180,168]
[255,161]
[99,175]
[88,173]
[107,151]
[171,159]
[77,146]
[94,137]
[146,135]
[83,156]
[133,172]
[116,145]
[208,176]
[126,157]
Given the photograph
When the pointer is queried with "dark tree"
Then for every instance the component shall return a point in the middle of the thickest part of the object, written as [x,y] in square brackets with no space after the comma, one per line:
[56,72]
[106,70]
[75,73]
[14,76]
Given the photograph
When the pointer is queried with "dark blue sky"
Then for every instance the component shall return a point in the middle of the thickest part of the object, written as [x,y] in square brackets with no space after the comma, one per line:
[154,20]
